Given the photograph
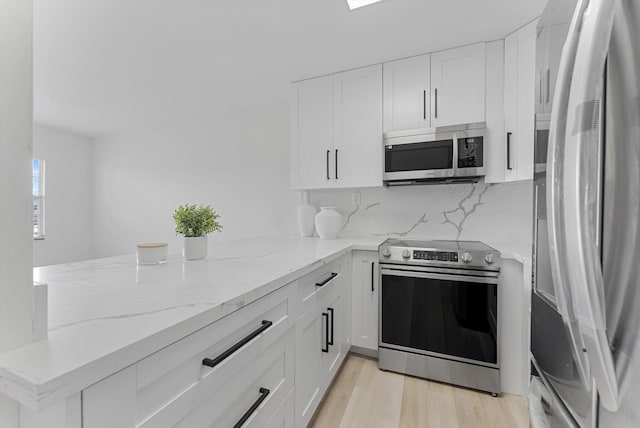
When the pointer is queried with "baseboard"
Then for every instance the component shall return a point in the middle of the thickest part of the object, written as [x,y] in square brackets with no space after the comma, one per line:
[371,353]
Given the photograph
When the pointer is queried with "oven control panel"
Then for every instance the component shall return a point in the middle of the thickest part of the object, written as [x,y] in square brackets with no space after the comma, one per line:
[458,254]
[436,256]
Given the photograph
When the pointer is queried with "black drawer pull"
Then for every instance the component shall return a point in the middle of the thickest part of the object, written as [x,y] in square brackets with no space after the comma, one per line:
[320,284]
[325,348]
[226,354]
[330,310]
[263,395]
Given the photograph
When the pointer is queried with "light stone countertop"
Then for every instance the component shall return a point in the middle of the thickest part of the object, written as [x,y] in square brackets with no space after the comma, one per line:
[106,314]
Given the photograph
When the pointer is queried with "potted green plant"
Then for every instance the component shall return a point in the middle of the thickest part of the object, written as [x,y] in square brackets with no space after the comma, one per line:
[194,222]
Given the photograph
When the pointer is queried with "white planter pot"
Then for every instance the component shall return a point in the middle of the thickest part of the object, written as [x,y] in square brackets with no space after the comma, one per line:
[328,223]
[306,216]
[195,248]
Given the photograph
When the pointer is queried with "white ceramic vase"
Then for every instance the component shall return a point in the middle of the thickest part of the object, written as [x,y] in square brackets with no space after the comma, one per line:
[328,223]
[306,216]
[195,248]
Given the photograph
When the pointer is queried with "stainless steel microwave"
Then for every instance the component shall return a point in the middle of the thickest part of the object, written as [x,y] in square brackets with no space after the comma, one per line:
[434,158]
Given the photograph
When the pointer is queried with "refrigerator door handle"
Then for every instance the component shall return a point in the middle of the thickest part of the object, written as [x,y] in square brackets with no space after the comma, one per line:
[558,254]
[582,163]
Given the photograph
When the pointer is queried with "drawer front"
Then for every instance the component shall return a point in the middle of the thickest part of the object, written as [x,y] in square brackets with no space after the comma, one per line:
[173,381]
[283,417]
[309,292]
[266,383]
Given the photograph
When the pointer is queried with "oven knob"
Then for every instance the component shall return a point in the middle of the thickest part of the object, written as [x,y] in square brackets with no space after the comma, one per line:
[386,252]
[406,254]
[466,257]
[489,258]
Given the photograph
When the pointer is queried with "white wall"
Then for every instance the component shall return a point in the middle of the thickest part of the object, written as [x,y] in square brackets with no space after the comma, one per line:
[68,196]
[236,162]
[16,229]
[496,214]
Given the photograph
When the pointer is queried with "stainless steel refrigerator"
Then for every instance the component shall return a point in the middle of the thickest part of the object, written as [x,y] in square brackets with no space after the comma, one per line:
[585,307]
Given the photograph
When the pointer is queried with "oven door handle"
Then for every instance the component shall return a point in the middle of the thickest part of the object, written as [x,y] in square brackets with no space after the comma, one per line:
[462,278]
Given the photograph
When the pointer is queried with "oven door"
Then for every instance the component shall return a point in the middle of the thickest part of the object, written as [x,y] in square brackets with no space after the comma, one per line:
[420,157]
[440,312]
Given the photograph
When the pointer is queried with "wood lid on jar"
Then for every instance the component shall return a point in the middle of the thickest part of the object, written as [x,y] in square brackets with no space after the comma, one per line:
[152,245]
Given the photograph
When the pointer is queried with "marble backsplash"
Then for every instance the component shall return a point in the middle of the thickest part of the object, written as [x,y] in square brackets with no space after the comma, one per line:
[493,213]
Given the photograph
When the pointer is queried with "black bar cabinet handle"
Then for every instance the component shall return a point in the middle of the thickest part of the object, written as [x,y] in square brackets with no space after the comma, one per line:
[226,354]
[548,83]
[424,104]
[330,310]
[436,109]
[336,164]
[373,265]
[320,284]
[264,392]
[328,176]
[509,151]
[325,348]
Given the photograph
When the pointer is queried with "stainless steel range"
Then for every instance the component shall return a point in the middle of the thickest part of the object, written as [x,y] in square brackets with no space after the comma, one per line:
[439,311]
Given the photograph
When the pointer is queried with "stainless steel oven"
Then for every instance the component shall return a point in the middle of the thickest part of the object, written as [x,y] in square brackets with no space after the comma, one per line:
[439,311]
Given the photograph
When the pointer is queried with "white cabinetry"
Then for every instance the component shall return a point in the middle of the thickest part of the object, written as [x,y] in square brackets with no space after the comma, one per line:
[406,93]
[311,133]
[336,130]
[550,40]
[457,86]
[322,335]
[174,386]
[519,102]
[365,288]
[357,119]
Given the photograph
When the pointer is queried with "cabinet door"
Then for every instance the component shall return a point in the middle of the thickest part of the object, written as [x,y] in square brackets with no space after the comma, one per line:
[457,86]
[357,114]
[311,133]
[519,102]
[406,93]
[365,300]
[331,360]
[308,377]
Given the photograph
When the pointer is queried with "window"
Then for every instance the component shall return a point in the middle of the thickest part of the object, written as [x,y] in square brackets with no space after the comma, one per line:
[38,198]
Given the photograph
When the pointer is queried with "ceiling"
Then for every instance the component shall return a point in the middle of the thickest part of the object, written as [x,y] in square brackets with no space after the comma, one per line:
[106,66]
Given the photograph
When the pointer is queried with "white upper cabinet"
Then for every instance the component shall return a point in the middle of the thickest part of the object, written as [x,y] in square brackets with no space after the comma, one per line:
[457,86]
[550,40]
[407,94]
[357,118]
[519,102]
[336,130]
[311,133]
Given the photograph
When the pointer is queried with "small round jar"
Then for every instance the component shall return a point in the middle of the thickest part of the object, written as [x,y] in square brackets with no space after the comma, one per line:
[152,253]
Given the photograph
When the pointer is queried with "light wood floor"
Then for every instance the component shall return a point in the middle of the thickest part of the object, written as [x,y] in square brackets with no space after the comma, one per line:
[363,396]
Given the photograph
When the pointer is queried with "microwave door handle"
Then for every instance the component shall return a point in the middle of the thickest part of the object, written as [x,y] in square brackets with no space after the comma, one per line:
[559,257]
[454,166]
[581,198]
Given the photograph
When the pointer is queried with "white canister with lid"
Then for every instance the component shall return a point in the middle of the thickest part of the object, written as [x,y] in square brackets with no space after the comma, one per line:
[152,253]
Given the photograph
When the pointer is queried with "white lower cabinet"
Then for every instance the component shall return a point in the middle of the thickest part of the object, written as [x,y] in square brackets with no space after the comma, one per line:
[309,345]
[365,288]
[174,387]
[322,339]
